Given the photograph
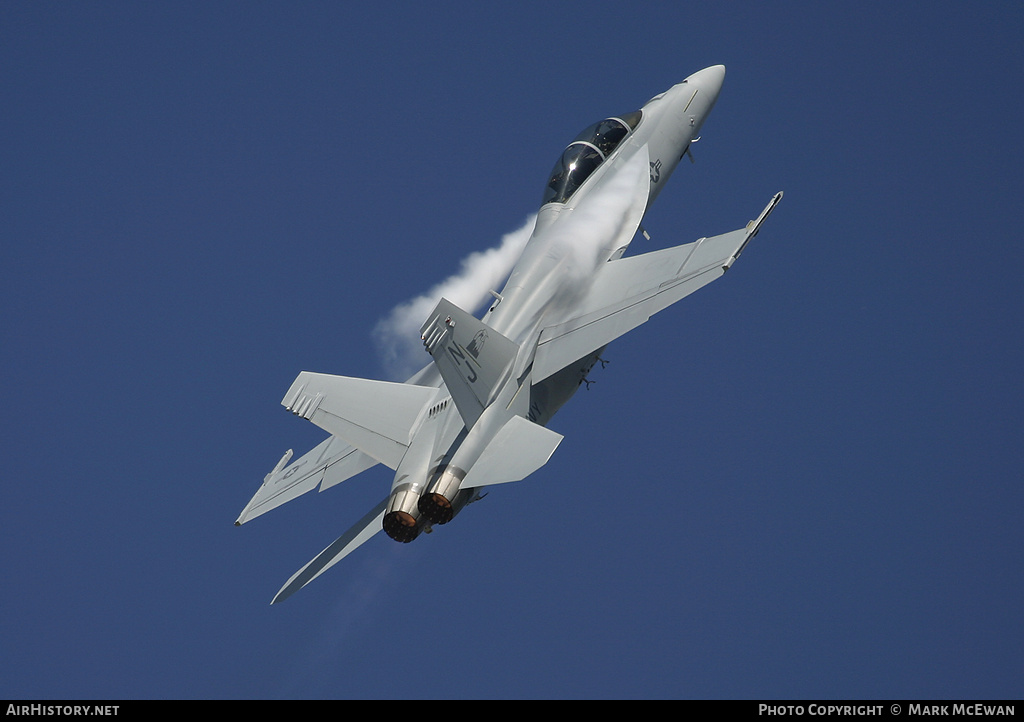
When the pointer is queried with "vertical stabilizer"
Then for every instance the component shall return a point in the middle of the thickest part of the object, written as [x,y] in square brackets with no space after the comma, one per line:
[473,358]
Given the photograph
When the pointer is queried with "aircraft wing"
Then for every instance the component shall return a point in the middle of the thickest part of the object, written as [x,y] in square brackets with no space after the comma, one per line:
[330,462]
[628,291]
[344,545]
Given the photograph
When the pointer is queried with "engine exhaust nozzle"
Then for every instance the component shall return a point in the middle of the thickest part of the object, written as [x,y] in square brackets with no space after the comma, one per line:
[402,519]
[437,503]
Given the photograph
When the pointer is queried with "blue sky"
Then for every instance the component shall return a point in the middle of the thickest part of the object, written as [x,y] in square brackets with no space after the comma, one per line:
[804,481]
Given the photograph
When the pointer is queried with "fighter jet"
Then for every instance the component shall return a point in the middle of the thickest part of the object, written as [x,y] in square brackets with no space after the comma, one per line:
[476,415]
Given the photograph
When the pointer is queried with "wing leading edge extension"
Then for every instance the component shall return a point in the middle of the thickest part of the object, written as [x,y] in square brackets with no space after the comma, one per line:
[628,291]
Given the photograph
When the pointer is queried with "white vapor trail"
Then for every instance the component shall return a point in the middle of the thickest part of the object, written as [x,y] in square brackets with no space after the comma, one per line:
[398,335]
[608,216]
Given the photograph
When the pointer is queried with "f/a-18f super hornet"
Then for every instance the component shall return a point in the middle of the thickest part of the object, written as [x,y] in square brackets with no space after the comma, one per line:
[477,414]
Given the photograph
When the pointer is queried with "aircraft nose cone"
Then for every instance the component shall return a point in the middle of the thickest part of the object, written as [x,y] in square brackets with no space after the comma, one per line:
[710,79]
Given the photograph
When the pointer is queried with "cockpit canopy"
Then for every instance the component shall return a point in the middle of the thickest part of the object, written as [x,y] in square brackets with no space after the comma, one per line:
[585,154]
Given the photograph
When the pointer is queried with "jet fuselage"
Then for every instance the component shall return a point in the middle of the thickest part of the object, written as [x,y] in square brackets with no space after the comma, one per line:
[477,414]
[576,231]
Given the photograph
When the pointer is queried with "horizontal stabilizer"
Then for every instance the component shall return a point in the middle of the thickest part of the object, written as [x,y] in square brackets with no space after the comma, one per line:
[376,417]
[331,462]
[628,291]
[344,545]
[518,449]
[472,358]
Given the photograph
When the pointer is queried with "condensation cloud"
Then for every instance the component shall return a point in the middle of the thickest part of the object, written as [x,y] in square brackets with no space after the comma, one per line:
[398,335]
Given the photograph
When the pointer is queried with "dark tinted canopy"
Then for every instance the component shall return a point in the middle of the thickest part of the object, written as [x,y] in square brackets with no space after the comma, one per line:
[585,154]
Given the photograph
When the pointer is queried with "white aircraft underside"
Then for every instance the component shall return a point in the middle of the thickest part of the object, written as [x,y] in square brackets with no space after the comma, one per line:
[476,416]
